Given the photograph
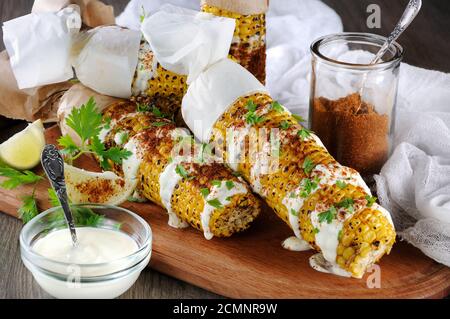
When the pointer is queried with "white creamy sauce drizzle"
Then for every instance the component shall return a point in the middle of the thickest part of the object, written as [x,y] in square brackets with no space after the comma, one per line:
[261,164]
[295,244]
[104,132]
[119,137]
[130,165]
[317,262]
[145,69]
[168,179]
[221,193]
[236,145]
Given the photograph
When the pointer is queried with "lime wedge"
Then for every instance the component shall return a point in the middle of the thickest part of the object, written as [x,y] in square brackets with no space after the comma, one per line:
[23,150]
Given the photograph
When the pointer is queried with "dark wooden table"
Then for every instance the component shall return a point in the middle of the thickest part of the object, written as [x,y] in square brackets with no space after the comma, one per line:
[427,44]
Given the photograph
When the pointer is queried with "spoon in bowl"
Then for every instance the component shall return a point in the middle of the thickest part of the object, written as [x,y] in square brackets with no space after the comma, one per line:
[411,11]
[53,165]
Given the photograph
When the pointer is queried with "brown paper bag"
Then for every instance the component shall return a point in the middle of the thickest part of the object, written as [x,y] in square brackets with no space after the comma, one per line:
[41,102]
[29,104]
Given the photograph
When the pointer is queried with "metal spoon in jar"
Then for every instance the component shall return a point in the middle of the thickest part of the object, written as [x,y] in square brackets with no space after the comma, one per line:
[53,165]
[408,16]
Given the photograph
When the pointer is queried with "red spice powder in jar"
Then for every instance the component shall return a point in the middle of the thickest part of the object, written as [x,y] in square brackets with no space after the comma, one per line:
[353,132]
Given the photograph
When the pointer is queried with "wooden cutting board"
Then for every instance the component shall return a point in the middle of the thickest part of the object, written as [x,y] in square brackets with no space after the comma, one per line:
[253,264]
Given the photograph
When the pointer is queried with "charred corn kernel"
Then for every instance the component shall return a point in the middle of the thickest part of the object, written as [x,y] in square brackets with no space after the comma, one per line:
[341,261]
[302,160]
[160,145]
[364,252]
[152,80]
[369,236]
[348,253]
[248,46]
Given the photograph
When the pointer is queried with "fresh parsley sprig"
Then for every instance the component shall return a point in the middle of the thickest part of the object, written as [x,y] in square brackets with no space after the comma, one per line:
[87,122]
[251,117]
[304,133]
[370,200]
[308,165]
[180,170]
[328,215]
[29,209]
[17,178]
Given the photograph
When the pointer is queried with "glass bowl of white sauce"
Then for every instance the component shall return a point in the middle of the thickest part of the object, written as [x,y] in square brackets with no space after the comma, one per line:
[114,246]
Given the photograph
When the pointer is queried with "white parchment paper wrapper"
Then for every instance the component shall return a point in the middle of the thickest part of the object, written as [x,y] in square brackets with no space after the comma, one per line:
[105,59]
[38,45]
[187,40]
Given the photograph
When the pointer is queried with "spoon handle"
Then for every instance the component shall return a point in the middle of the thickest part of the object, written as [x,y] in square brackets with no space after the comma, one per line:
[408,16]
[53,165]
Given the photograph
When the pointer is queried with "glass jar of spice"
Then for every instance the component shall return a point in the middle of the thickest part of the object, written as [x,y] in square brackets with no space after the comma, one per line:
[352,102]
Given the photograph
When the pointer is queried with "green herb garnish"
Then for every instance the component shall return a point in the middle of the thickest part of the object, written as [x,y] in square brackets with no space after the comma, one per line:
[215,203]
[140,107]
[159,124]
[229,185]
[251,106]
[28,210]
[180,170]
[17,178]
[304,133]
[204,191]
[370,200]
[298,118]
[341,184]
[53,198]
[347,203]
[216,183]
[251,117]
[308,186]
[142,15]
[308,165]
[277,106]
[328,215]
[284,125]
[87,122]
[294,212]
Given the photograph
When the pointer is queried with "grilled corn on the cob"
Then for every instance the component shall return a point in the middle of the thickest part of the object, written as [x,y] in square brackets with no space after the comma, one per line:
[326,204]
[153,81]
[248,47]
[179,174]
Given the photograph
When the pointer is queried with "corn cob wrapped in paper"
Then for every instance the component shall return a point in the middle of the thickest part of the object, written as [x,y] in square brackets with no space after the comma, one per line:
[328,206]
[180,174]
[248,47]
[153,81]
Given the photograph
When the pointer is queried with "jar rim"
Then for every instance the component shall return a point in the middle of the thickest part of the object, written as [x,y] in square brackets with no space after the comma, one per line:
[27,247]
[370,37]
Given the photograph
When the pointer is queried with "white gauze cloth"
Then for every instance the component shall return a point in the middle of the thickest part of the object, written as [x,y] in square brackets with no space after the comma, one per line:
[39,44]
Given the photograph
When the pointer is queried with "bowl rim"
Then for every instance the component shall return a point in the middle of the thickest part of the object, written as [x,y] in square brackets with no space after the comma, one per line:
[374,38]
[27,248]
